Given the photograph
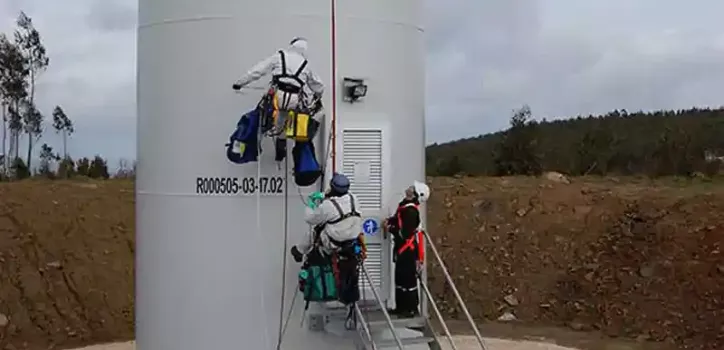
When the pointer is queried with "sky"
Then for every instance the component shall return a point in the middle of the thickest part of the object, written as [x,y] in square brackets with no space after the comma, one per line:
[561,57]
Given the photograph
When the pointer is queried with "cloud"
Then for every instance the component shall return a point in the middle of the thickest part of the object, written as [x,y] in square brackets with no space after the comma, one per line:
[91,45]
[111,16]
[484,59]
[567,58]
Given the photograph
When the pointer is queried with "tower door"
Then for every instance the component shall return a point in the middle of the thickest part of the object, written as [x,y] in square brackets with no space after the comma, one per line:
[362,162]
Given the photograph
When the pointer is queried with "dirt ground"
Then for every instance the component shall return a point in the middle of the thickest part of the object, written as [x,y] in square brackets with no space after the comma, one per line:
[66,259]
[600,264]
[625,259]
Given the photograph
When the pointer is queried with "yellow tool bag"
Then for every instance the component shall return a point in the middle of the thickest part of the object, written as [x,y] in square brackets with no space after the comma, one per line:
[300,127]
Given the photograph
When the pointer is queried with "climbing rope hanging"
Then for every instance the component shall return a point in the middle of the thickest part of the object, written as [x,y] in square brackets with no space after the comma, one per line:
[259,236]
[282,322]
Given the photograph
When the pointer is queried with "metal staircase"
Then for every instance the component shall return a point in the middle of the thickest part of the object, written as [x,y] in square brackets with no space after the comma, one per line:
[376,330]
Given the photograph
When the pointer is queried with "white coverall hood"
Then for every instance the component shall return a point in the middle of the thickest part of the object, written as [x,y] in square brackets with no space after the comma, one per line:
[299,45]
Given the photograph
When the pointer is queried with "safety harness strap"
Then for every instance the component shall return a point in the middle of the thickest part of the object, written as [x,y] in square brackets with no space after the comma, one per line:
[342,215]
[285,86]
[416,237]
[284,63]
[299,71]
[410,244]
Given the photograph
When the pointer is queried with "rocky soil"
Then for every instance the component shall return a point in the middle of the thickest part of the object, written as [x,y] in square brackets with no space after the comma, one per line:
[619,258]
[637,260]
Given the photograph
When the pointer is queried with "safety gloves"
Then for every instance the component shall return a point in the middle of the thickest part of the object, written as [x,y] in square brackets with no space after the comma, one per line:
[296,254]
[314,199]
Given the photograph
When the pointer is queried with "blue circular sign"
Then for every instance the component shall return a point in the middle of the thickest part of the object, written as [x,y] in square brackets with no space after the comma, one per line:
[370,227]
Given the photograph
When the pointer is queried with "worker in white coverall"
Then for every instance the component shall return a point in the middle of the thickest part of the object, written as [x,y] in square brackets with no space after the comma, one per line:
[335,220]
[337,228]
[291,78]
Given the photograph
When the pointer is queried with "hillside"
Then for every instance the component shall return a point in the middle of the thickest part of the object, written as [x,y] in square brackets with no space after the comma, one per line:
[654,143]
[615,257]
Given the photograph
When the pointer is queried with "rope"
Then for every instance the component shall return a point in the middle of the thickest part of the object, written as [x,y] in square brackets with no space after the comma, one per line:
[289,316]
[284,321]
[259,234]
[282,324]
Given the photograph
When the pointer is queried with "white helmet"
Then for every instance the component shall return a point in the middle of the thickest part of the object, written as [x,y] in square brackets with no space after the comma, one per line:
[422,191]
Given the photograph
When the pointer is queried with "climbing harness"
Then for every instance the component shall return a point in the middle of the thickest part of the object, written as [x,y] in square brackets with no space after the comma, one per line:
[342,215]
[281,81]
[415,239]
[291,87]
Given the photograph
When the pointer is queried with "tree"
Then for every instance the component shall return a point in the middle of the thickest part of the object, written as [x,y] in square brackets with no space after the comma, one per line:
[28,40]
[3,150]
[98,168]
[33,120]
[66,168]
[62,124]
[47,157]
[19,168]
[30,43]
[125,170]
[13,86]
[516,153]
[658,143]
[450,168]
[3,100]
[83,166]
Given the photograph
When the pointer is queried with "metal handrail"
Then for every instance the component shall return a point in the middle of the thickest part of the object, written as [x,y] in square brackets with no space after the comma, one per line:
[365,327]
[455,291]
[383,308]
[439,315]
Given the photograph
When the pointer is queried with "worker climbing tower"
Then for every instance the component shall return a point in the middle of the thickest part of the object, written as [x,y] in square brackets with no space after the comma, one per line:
[213,237]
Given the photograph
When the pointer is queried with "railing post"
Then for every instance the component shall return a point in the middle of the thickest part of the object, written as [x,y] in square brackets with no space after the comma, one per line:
[384,309]
[455,291]
[439,315]
[365,327]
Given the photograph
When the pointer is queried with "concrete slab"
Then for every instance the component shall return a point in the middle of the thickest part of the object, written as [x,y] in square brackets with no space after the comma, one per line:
[462,342]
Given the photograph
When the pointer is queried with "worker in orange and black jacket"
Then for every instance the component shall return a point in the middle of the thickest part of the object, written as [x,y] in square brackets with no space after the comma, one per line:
[409,249]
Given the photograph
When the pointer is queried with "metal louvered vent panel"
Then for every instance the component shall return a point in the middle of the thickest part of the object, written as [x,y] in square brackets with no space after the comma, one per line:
[373,264]
[364,146]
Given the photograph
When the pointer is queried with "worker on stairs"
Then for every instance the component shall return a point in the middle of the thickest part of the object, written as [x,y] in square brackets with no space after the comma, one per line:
[291,78]
[409,248]
[336,238]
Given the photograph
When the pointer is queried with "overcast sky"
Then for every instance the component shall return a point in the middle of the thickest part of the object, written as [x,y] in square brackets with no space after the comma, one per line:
[485,58]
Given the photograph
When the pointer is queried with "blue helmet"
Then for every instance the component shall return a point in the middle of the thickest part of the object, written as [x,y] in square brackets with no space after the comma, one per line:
[339,183]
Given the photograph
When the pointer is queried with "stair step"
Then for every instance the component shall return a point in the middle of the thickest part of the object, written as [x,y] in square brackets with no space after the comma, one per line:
[376,320]
[338,329]
[415,322]
[391,343]
[362,303]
